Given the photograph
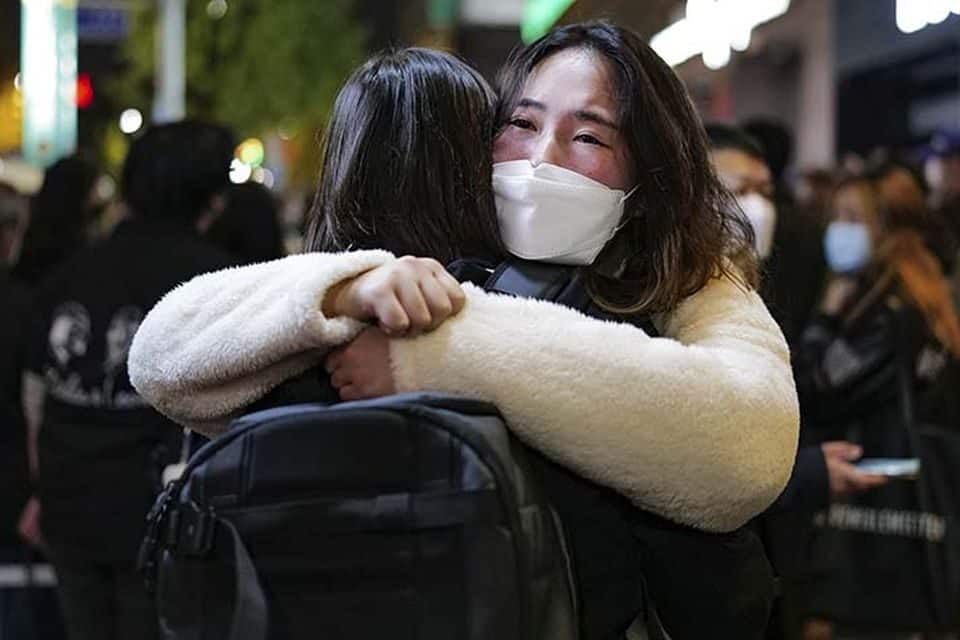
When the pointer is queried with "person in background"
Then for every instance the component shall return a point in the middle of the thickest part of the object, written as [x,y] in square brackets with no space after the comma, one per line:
[887,302]
[787,242]
[248,228]
[101,449]
[15,302]
[942,171]
[13,218]
[905,196]
[901,190]
[813,194]
[821,471]
[60,218]
[776,142]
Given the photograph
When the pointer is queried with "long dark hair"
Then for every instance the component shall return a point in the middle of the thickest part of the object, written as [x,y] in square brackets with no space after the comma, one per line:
[682,226]
[407,161]
[60,214]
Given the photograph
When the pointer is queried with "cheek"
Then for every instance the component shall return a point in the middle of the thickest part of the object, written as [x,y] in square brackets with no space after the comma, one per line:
[600,166]
[509,146]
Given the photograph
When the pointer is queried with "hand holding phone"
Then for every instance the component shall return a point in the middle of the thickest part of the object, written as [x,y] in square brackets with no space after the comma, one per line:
[844,477]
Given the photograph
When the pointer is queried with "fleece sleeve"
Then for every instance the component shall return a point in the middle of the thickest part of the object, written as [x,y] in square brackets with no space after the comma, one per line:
[700,427]
[224,339]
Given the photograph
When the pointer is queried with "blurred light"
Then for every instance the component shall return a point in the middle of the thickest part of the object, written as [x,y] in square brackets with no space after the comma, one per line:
[286,131]
[240,172]
[130,121]
[914,15]
[264,177]
[539,16]
[676,43]
[937,11]
[740,36]
[716,57]
[269,179]
[250,152]
[712,28]
[216,9]
[441,14]
[84,96]
[17,82]
[105,188]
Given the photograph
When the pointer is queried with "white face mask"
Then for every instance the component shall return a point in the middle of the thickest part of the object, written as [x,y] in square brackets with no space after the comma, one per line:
[552,214]
[762,214]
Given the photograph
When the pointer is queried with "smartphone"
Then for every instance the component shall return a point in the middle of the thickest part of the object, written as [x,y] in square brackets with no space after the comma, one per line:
[906,468]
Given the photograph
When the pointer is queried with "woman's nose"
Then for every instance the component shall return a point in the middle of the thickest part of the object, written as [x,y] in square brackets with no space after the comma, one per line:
[546,150]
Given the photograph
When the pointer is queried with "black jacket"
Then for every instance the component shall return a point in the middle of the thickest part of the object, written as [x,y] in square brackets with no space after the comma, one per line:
[846,366]
[101,447]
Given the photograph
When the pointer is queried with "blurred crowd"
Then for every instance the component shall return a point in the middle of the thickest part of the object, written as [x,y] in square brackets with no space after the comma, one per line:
[76,491]
[860,269]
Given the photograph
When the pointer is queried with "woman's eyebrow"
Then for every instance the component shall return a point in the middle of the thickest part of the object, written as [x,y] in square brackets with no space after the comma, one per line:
[530,103]
[593,116]
[585,115]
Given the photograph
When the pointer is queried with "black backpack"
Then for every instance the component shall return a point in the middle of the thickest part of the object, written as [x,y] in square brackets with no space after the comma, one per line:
[292,525]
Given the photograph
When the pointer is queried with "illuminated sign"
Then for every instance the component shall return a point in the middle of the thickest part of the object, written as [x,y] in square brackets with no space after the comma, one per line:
[48,59]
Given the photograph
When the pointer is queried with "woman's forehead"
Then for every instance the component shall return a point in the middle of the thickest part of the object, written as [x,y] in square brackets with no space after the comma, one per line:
[571,80]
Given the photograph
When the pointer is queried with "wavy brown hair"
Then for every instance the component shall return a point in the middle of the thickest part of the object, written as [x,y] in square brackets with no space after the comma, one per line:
[682,228]
[896,212]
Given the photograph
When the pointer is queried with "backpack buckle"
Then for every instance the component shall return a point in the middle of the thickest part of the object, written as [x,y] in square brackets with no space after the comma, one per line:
[147,558]
[190,530]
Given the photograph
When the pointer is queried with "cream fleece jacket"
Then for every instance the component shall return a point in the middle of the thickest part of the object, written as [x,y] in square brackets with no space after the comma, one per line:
[699,426]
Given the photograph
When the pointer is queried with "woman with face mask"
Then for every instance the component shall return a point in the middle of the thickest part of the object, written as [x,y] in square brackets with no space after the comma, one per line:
[700,428]
[886,312]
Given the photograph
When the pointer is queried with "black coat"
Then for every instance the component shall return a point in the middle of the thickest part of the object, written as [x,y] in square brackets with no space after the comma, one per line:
[101,447]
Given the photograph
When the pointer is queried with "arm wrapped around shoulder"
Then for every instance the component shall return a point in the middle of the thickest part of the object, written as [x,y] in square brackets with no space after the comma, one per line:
[224,339]
[700,427]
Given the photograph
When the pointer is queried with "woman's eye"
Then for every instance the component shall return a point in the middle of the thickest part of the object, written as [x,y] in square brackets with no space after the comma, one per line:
[521,123]
[588,139]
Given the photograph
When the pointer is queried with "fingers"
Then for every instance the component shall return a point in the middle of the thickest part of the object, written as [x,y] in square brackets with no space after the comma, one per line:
[339,379]
[414,304]
[407,296]
[333,360]
[438,301]
[391,315]
[454,291]
[842,450]
[361,369]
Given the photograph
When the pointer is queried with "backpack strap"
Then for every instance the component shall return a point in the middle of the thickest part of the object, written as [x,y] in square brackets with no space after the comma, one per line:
[541,281]
[248,619]
[554,283]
